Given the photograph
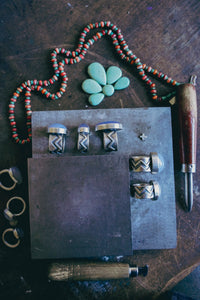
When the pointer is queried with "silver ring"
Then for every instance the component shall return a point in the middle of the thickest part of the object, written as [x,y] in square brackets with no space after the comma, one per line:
[10,216]
[109,129]
[83,138]
[57,133]
[16,234]
[14,174]
[143,163]
[149,190]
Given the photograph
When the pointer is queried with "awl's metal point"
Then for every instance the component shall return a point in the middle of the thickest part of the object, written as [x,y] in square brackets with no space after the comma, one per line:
[188,127]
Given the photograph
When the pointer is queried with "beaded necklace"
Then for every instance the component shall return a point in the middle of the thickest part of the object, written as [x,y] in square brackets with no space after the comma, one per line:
[73,57]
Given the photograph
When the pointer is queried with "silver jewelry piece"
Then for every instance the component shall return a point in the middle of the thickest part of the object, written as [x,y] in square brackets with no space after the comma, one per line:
[143,163]
[17,234]
[9,215]
[109,129]
[57,133]
[15,175]
[83,138]
[149,190]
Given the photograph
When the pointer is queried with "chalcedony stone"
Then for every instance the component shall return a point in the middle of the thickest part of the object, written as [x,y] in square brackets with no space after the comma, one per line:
[113,74]
[108,90]
[90,86]
[96,99]
[97,72]
[122,83]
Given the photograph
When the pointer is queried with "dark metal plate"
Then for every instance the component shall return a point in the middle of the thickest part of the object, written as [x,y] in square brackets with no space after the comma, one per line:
[79,206]
[153,222]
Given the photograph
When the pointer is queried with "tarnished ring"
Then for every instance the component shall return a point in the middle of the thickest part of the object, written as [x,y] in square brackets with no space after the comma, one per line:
[83,138]
[109,129]
[149,190]
[15,175]
[143,163]
[17,233]
[11,216]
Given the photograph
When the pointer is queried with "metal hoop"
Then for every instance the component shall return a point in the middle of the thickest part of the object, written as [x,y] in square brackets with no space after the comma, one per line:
[9,171]
[15,234]
[23,202]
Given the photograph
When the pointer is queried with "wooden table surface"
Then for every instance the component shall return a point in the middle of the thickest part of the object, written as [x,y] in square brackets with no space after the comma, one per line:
[164,35]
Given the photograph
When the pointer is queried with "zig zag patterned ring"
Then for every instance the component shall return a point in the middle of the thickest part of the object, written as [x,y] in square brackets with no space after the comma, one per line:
[151,163]
[109,129]
[149,190]
[57,134]
[83,138]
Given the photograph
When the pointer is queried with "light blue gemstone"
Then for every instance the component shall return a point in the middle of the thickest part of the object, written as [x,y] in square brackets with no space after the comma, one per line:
[90,86]
[113,74]
[108,90]
[122,83]
[97,72]
[96,99]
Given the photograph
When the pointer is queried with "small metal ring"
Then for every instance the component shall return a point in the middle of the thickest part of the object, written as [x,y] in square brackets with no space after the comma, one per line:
[149,190]
[146,163]
[15,234]
[9,171]
[23,202]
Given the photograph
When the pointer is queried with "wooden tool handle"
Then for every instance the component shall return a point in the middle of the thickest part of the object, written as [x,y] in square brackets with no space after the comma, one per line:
[88,271]
[187,102]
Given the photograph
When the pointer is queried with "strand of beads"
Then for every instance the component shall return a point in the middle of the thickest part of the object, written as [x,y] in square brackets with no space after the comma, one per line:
[72,57]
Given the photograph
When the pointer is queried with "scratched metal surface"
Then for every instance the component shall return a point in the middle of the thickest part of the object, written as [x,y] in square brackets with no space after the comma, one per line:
[153,222]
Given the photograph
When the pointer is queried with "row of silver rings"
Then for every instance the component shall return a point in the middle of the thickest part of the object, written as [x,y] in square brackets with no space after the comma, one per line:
[57,133]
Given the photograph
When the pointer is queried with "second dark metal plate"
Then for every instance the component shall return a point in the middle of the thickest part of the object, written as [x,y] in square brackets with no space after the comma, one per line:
[79,206]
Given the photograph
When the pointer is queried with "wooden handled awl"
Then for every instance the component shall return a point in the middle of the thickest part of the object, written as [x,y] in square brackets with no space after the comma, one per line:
[93,271]
[187,103]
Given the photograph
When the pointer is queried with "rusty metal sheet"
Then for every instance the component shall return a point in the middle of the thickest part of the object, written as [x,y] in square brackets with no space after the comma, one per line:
[79,206]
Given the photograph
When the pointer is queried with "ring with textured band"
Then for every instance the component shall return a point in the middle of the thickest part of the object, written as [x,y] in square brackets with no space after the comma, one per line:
[83,138]
[146,163]
[109,129]
[57,133]
[149,190]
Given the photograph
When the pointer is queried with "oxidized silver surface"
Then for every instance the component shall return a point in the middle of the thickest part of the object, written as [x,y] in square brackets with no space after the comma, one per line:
[57,133]
[149,190]
[83,138]
[143,163]
[110,139]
